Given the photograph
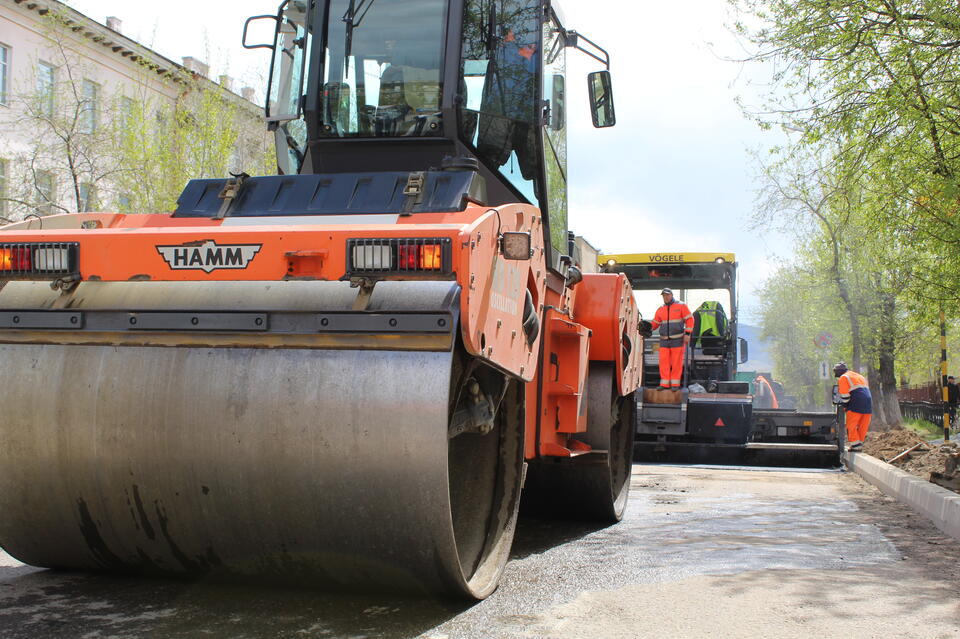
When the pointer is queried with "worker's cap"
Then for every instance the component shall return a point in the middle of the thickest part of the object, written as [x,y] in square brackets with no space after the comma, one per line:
[840,369]
[949,376]
[666,290]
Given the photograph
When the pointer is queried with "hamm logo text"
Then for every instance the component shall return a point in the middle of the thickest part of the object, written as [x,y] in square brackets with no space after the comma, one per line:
[209,256]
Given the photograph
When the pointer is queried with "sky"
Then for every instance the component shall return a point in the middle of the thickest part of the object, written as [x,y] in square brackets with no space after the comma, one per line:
[675,174]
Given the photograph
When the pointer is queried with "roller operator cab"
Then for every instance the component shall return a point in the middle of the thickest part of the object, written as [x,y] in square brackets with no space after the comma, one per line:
[712,412]
[341,374]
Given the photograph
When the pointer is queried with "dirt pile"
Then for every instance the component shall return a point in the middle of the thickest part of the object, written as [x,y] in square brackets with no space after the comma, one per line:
[934,461]
[921,461]
[891,443]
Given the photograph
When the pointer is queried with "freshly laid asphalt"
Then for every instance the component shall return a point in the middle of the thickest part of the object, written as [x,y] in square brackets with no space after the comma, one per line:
[703,552]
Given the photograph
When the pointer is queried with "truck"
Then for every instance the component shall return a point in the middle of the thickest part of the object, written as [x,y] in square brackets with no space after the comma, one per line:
[714,416]
[348,374]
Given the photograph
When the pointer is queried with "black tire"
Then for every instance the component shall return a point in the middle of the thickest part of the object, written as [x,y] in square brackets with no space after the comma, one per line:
[595,486]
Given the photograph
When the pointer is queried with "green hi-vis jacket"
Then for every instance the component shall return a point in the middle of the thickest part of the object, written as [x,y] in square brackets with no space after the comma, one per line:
[711,321]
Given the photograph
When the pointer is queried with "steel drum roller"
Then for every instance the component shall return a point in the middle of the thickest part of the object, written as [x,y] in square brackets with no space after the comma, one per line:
[308,465]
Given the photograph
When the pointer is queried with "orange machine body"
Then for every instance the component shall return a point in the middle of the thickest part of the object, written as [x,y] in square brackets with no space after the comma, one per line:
[594,320]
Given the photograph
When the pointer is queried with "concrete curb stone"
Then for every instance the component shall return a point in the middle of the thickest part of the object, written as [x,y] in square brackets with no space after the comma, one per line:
[940,505]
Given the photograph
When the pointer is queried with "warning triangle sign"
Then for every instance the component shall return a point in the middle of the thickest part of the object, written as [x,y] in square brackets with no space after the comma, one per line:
[719,422]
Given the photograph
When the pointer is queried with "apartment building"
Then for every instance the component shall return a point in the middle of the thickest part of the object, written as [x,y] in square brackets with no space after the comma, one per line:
[92,120]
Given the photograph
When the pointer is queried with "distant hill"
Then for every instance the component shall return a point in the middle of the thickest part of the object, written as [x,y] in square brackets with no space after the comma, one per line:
[760,359]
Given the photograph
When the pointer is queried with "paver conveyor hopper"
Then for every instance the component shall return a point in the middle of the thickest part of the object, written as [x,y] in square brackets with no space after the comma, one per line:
[343,373]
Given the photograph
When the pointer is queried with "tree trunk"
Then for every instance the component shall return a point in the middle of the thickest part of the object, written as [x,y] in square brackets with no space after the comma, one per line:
[888,377]
[879,422]
[854,320]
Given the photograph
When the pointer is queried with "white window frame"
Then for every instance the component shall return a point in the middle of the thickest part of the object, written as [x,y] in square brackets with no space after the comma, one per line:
[46,202]
[127,107]
[49,104]
[90,92]
[4,180]
[5,55]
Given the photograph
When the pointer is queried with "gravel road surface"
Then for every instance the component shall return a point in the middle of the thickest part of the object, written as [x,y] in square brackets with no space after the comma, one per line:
[704,552]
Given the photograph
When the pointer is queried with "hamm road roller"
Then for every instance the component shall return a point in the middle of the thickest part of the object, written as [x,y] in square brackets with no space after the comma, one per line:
[345,374]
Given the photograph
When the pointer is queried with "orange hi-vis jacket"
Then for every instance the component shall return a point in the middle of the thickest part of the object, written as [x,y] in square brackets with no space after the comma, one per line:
[855,393]
[673,320]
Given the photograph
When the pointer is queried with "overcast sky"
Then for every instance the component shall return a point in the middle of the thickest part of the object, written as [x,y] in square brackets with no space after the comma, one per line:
[674,175]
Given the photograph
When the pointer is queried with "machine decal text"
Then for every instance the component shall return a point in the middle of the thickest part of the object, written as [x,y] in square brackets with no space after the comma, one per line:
[209,256]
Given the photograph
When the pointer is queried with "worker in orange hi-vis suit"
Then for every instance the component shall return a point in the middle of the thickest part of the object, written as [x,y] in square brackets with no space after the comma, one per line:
[856,398]
[675,323]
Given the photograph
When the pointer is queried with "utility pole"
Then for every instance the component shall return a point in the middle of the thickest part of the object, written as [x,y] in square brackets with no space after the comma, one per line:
[943,375]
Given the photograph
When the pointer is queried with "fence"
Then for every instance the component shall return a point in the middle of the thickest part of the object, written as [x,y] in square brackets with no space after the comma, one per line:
[923,411]
[925,393]
[923,402]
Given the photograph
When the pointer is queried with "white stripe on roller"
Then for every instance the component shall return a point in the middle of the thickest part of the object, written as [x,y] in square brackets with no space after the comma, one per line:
[312,220]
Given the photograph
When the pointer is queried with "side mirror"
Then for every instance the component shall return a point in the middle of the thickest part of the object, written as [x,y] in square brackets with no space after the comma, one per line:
[836,395]
[574,277]
[558,117]
[273,31]
[744,350]
[601,99]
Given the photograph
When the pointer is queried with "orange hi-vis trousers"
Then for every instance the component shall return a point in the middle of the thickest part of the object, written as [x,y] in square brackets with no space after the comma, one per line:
[671,366]
[857,426]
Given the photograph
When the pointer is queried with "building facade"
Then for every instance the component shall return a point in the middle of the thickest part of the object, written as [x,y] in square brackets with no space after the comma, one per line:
[91,120]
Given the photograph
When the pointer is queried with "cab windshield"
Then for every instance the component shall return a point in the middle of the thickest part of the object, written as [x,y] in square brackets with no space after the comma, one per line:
[694,284]
[382,70]
[648,301]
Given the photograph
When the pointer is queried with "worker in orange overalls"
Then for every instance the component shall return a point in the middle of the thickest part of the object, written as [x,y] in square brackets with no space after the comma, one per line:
[857,400]
[763,394]
[675,322]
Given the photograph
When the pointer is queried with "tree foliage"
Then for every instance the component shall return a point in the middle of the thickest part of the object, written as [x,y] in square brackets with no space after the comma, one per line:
[868,93]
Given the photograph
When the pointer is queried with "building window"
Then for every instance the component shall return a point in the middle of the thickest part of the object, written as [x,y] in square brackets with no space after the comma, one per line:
[90,107]
[46,84]
[46,192]
[88,198]
[127,107]
[4,73]
[3,188]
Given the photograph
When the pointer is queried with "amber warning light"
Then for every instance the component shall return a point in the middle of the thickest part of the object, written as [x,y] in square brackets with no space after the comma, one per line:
[15,258]
[425,257]
[399,256]
[37,259]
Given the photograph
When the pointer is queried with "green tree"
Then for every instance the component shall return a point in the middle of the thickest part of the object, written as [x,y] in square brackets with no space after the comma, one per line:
[203,134]
[883,78]
[869,95]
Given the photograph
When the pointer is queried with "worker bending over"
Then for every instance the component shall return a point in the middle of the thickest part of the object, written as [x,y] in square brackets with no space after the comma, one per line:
[856,398]
[675,322]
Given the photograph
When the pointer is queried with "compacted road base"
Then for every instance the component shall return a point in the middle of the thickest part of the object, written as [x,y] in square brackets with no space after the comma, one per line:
[704,552]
